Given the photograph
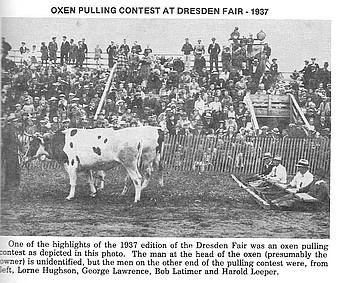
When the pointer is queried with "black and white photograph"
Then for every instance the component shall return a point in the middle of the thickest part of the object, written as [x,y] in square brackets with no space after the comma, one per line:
[166,127]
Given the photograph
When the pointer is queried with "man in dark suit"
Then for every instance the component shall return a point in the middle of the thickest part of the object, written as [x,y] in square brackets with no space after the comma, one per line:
[213,50]
[53,47]
[65,48]
[268,164]
[255,71]
[111,50]
[306,72]
[124,46]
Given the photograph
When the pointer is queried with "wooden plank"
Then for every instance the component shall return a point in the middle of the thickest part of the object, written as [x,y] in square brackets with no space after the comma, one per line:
[259,200]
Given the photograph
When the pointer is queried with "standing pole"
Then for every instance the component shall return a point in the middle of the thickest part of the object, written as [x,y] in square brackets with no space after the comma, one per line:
[105,91]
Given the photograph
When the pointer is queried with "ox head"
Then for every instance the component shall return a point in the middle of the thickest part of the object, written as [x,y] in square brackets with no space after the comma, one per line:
[39,146]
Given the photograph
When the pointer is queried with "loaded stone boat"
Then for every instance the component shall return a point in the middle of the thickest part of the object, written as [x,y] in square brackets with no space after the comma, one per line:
[277,196]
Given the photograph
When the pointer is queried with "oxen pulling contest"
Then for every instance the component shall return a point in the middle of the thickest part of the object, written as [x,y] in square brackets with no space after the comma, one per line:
[207,142]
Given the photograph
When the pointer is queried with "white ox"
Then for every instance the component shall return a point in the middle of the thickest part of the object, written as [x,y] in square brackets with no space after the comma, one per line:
[102,149]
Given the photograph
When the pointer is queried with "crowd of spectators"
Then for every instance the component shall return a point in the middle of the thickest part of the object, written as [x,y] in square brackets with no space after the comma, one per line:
[181,95]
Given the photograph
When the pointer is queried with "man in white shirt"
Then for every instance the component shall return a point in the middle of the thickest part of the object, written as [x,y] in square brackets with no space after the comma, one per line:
[303,178]
[278,172]
[215,105]
[199,105]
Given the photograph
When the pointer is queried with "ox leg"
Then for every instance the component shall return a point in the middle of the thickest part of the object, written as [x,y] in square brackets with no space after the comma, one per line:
[136,178]
[159,165]
[102,175]
[125,189]
[91,182]
[73,178]
[147,177]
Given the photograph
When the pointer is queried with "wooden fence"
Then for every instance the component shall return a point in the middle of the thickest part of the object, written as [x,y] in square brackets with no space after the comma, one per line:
[206,153]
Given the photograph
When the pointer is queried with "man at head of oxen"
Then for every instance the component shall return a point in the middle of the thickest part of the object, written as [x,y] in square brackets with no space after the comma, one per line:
[43,146]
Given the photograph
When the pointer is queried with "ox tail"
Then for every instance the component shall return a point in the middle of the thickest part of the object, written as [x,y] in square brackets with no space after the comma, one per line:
[139,157]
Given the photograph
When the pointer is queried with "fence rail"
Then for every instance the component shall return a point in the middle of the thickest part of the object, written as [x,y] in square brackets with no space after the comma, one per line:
[206,153]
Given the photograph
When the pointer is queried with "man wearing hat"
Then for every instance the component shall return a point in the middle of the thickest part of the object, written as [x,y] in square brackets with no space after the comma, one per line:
[274,68]
[302,180]
[18,112]
[306,73]
[187,49]
[268,164]
[10,168]
[324,75]
[65,124]
[214,50]
[65,48]
[264,131]
[275,133]
[53,47]
[278,173]
[208,122]
[199,48]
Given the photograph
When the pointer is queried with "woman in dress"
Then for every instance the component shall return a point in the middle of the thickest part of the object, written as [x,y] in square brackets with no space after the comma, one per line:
[44,51]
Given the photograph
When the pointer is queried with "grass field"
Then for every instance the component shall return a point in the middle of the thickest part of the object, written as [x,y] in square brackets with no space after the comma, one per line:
[190,205]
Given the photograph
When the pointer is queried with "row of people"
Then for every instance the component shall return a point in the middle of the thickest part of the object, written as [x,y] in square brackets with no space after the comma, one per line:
[302,182]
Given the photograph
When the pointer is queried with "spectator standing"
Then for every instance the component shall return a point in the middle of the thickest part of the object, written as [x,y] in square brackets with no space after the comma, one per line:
[306,73]
[187,50]
[5,48]
[53,47]
[147,50]
[72,52]
[33,55]
[324,75]
[199,48]
[213,50]
[85,48]
[136,47]
[65,49]
[81,53]
[313,74]
[235,35]
[23,51]
[226,58]
[125,48]
[111,51]
[9,154]
[250,42]
[267,50]
[97,56]
[274,69]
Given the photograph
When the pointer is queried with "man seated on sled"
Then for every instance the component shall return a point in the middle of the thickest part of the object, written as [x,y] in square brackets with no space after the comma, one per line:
[305,182]
[302,180]
[278,173]
[268,164]
[258,179]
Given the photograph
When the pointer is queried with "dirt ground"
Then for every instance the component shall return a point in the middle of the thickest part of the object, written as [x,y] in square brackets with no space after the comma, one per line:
[190,205]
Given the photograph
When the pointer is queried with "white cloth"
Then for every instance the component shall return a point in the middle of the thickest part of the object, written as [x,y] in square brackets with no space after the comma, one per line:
[300,180]
[215,106]
[199,105]
[279,174]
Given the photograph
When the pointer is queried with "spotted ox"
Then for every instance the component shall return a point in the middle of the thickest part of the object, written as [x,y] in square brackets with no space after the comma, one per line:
[101,149]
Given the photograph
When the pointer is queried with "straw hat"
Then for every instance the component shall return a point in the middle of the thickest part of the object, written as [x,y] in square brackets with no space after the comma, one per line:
[303,163]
